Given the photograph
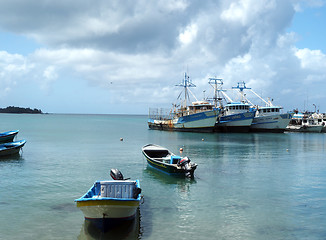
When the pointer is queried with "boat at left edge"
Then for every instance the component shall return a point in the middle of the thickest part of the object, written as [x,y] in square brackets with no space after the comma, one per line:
[199,116]
[109,203]
[8,136]
[11,148]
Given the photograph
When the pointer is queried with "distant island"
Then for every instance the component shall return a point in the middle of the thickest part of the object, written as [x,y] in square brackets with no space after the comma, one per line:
[12,109]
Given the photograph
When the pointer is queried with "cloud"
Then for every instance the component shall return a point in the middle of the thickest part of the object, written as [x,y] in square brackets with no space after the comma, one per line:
[13,67]
[311,59]
[138,51]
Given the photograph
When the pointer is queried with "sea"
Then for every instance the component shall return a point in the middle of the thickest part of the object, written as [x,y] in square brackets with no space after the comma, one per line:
[246,186]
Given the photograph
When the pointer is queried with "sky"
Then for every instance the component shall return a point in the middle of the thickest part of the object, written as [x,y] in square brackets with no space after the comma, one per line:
[124,57]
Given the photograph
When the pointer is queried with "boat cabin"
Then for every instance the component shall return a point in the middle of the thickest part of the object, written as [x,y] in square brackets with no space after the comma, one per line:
[236,108]
[267,111]
[200,106]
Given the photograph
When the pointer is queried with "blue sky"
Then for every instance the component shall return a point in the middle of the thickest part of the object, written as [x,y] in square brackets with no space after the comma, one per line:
[124,57]
[309,24]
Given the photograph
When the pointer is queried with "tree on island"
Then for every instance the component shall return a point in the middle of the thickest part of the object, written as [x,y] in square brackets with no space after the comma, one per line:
[12,109]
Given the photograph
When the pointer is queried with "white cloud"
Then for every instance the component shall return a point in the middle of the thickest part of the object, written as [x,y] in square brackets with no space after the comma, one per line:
[13,68]
[311,59]
[137,52]
[247,11]
[189,34]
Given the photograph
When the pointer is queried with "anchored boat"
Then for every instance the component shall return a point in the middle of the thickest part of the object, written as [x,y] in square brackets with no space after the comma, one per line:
[162,159]
[199,116]
[11,147]
[304,123]
[109,203]
[8,136]
[234,116]
[268,118]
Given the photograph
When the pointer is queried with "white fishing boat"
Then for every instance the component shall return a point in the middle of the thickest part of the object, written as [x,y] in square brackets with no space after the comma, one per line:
[303,123]
[321,120]
[234,116]
[199,116]
[268,118]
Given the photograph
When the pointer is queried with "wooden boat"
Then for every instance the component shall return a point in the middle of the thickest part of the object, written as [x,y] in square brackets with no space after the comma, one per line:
[8,136]
[109,203]
[162,159]
[11,148]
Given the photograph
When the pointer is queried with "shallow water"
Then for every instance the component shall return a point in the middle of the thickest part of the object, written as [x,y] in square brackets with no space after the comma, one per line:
[246,186]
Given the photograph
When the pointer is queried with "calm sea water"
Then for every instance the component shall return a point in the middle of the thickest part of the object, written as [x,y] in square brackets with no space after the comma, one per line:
[246,186]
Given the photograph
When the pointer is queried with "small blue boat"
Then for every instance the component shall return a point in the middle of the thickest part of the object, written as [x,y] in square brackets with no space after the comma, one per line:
[109,203]
[11,148]
[8,136]
[162,159]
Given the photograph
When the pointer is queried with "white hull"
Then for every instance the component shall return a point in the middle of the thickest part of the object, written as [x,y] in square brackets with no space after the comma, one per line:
[236,123]
[271,123]
[208,122]
[107,211]
[293,128]
[204,121]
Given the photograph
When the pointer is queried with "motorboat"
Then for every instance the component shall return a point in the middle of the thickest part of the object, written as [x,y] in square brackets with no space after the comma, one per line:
[109,203]
[165,161]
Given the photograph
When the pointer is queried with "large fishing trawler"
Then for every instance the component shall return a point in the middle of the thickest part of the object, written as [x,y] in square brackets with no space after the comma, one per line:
[234,116]
[199,116]
[268,118]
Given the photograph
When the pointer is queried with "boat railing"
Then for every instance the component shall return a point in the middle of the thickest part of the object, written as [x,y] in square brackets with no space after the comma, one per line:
[160,114]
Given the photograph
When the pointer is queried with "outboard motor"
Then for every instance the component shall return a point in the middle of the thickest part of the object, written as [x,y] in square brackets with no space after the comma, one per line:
[137,191]
[116,174]
[185,164]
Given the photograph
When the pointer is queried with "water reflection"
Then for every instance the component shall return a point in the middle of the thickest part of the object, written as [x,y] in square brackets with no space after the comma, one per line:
[127,230]
[17,157]
[168,179]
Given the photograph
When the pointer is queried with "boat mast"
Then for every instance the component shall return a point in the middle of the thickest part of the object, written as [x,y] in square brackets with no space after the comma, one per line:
[186,83]
[241,86]
[216,83]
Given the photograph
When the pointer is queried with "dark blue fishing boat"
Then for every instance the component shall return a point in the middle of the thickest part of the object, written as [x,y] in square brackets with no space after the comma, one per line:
[11,148]
[8,136]
[162,159]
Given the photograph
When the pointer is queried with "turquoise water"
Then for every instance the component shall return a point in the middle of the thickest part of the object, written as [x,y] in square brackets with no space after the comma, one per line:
[246,186]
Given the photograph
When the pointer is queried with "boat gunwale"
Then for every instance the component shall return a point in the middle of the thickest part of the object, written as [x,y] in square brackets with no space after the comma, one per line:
[9,133]
[156,159]
[91,191]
